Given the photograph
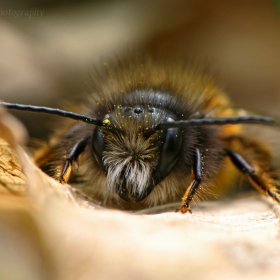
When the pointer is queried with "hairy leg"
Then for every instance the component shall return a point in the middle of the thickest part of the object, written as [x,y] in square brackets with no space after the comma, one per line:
[253,159]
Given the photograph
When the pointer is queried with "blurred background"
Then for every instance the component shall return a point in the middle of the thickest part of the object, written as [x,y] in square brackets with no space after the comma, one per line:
[47,48]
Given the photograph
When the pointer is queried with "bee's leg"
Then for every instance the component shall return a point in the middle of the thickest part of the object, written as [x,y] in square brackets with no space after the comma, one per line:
[73,155]
[263,182]
[188,196]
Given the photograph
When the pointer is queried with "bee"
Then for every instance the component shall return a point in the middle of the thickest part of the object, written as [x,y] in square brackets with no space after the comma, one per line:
[151,132]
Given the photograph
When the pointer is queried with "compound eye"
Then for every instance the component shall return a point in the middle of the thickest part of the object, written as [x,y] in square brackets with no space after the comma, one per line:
[98,145]
[170,150]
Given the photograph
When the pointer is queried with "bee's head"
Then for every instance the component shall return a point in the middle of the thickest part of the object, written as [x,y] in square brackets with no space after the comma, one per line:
[134,154]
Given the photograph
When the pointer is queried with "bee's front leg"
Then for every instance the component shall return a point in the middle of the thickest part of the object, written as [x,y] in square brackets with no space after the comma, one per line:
[197,173]
[73,155]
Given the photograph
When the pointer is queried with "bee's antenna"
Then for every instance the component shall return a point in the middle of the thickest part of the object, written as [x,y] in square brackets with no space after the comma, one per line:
[216,121]
[52,111]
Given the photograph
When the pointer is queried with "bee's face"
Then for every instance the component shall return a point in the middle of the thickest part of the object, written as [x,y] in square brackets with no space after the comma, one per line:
[134,155]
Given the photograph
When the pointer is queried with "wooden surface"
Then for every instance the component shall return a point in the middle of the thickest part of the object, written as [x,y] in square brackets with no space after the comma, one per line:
[46,233]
